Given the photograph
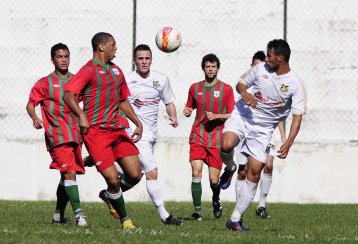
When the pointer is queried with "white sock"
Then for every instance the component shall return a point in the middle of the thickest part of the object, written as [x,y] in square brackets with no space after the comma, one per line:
[265,185]
[156,196]
[246,196]
[238,187]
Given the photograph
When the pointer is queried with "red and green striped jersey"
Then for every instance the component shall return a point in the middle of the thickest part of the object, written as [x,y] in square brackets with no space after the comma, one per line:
[60,124]
[218,99]
[101,87]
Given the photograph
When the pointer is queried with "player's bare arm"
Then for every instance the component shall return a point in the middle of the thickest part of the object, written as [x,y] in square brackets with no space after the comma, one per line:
[36,121]
[212,116]
[282,130]
[295,127]
[128,111]
[71,100]
[172,112]
[249,99]
[187,111]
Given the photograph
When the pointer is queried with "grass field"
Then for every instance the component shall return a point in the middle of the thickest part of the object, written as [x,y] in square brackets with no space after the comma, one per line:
[29,222]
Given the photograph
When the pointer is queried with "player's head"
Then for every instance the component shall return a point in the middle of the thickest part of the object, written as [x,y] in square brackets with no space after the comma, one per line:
[104,43]
[60,57]
[278,52]
[210,65]
[258,57]
[142,58]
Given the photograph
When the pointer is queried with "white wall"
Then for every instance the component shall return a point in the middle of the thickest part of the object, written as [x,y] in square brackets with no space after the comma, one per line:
[310,174]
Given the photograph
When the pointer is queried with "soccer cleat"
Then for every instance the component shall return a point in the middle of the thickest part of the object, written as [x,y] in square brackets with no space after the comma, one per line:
[88,161]
[197,216]
[64,221]
[81,220]
[217,209]
[225,178]
[112,211]
[128,225]
[172,221]
[236,226]
[261,211]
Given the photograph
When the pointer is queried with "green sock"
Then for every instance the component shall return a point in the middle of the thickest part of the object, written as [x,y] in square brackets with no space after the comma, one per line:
[216,191]
[62,199]
[196,192]
[118,204]
[73,195]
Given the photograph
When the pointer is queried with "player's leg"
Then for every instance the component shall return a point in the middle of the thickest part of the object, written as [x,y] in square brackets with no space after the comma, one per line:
[241,178]
[196,188]
[229,141]
[214,175]
[68,159]
[254,168]
[265,185]
[61,203]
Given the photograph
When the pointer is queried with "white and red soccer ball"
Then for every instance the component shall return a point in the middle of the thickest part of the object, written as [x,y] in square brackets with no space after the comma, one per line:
[168,40]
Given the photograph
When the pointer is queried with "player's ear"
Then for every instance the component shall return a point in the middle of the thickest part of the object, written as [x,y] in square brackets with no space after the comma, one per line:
[52,61]
[101,47]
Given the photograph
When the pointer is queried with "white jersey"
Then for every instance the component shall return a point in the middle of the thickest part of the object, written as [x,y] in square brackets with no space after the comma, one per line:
[275,96]
[146,94]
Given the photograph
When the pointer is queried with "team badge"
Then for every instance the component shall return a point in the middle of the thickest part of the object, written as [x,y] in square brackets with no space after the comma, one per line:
[200,93]
[216,93]
[116,71]
[156,83]
[102,72]
[265,76]
[56,85]
[284,88]
[133,81]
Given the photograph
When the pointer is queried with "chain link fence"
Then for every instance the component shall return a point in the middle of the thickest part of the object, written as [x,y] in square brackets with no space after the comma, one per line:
[322,36]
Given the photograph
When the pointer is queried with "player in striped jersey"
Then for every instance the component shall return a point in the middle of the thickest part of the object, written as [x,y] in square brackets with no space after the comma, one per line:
[104,92]
[213,101]
[275,91]
[62,136]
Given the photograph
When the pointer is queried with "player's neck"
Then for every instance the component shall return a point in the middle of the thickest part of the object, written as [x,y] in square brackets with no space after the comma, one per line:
[62,73]
[210,81]
[143,75]
[283,69]
[100,58]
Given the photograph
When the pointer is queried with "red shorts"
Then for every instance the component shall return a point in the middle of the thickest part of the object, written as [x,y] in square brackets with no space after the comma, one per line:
[67,157]
[211,156]
[107,145]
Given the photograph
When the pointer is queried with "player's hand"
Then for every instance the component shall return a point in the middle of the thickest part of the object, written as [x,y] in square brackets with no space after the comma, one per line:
[84,125]
[173,122]
[284,149]
[211,115]
[37,123]
[249,99]
[137,133]
[187,111]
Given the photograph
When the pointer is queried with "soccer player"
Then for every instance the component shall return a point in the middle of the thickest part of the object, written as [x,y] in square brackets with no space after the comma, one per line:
[266,177]
[213,101]
[276,90]
[104,92]
[148,88]
[62,136]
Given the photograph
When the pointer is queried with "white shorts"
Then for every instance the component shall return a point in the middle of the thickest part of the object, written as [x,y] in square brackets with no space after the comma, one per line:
[146,155]
[241,159]
[255,140]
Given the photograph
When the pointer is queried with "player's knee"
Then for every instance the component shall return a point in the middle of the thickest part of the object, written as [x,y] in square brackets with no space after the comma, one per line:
[113,183]
[241,174]
[268,169]
[227,146]
[196,173]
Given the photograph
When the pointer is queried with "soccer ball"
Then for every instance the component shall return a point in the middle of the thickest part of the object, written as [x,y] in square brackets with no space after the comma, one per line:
[168,40]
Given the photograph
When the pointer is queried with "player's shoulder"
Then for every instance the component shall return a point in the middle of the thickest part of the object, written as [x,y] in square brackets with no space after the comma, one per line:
[158,75]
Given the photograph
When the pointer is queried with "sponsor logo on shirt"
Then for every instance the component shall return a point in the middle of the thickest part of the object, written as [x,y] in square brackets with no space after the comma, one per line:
[133,81]
[284,88]
[200,93]
[265,76]
[98,163]
[63,165]
[102,72]
[138,103]
[216,93]
[269,101]
[116,71]
[56,85]
[156,83]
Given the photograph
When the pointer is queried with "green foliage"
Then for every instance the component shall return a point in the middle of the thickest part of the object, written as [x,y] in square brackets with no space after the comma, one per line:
[30,222]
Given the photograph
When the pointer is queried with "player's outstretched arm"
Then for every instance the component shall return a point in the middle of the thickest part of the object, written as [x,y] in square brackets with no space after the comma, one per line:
[71,100]
[295,127]
[172,113]
[129,112]
[36,121]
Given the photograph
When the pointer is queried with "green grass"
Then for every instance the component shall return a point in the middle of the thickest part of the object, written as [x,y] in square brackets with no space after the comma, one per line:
[29,222]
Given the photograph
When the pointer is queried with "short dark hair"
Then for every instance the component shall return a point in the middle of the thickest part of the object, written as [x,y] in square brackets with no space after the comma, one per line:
[141,47]
[58,46]
[100,38]
[210,58]
[259,55]
[280,47]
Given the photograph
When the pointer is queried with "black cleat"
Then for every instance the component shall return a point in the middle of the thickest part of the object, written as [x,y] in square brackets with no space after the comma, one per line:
[225,178]
[197,217]
[63,221]
[172,221]
[261,211]
[217,209]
